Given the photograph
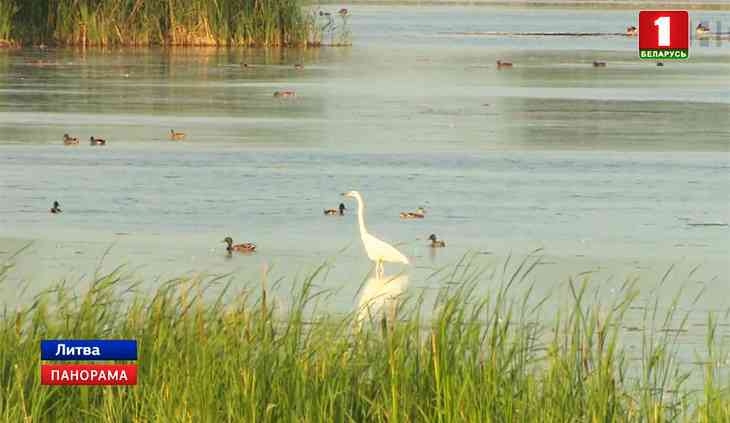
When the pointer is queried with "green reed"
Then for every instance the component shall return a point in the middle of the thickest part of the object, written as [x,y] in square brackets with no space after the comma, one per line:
[209,352]
[7,13]
[159,22]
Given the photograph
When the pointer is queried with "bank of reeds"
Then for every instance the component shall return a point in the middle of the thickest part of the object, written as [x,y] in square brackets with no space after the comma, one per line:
[466,357]
[160,22]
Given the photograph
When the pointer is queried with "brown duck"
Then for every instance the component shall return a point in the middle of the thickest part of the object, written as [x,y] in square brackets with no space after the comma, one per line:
[435,242]
[239,248]
[420,213]
[176,136]
[501,64]
[56,209]
[282,94]
[67,140]
[334,212]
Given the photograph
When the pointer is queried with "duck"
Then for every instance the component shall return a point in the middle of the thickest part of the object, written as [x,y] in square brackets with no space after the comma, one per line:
[239,248]
[660,64]
[96,141]
[632,31]
[435,242]
[343,12]
[67,140]
[281,94]
[599,64]
[246,66]
[333,212]
[56,209]
[323,13]
[702,29]
[299,66]
[501,64]
[420,213]
[176,136]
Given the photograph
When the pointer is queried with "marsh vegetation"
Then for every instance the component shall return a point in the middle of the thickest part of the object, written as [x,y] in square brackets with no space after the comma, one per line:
[260,23]
[209,352]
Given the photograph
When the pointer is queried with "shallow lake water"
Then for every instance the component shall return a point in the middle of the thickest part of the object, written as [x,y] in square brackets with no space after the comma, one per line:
[622,171]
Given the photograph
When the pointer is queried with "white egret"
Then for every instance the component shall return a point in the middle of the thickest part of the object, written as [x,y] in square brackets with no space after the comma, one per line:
[377,250]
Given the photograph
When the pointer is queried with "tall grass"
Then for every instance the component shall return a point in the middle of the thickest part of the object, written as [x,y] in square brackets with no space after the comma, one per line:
[159,22]
[208,353]
[8,9]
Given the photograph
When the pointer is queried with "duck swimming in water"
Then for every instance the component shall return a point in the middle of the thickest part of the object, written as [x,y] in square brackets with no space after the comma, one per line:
[420,213]
[299,66]
[702,29]
[56,208]
[631,31]
[176,136]
[67,140]
[333,212]
[96,141]
[435,242]
[239,248]
[501,64]
[599,64]
[280,94]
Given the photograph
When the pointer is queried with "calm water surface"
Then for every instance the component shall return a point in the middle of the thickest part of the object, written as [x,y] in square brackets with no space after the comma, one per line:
[614,170]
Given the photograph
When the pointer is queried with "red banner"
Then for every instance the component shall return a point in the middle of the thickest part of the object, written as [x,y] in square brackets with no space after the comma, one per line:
[88,374]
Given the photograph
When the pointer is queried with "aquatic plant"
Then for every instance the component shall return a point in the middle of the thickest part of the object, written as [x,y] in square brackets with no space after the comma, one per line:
[170,22]
[7,13]
[469,354]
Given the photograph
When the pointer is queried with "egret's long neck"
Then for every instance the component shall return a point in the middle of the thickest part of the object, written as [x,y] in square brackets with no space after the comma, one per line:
[361,215]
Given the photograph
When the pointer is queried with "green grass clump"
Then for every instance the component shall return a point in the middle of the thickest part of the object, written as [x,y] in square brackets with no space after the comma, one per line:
[159,22]
[210,354]
[7,13]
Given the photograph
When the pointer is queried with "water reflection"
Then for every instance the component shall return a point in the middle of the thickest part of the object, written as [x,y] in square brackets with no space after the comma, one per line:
[379,297]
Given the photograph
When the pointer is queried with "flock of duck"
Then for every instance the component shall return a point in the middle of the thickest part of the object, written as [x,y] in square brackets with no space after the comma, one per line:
[377,250]
[368,239]
[69,140]
[420,213]
[631,31]
[701,29]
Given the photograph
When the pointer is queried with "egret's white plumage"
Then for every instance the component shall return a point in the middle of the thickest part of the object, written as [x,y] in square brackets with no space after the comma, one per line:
[377,250]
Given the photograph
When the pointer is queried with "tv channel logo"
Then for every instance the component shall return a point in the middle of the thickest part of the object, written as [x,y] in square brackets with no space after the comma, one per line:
[88,350]
[663,35]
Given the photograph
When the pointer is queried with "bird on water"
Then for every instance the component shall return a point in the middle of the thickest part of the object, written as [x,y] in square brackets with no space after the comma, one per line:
[333,212]
[56,208]
[176,136]
[68,140]
[239,248]
[96,141]
[377,250]
[501,64]
[435,242]
[420,213]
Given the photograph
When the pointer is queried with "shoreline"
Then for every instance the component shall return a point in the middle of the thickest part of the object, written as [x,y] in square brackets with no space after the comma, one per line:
[551,4]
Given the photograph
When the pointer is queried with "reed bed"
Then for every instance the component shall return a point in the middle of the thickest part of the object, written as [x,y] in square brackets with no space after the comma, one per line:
[251,23]
[209,353]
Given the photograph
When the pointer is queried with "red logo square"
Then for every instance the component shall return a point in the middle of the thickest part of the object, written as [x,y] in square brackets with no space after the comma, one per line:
[663,35]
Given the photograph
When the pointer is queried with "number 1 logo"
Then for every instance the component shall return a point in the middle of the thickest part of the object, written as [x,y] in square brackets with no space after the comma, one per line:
[663,35]
[664,31]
